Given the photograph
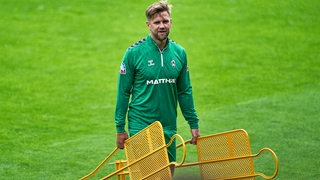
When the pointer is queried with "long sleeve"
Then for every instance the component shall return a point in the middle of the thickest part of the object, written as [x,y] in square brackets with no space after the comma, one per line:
[125,81]
[185,97]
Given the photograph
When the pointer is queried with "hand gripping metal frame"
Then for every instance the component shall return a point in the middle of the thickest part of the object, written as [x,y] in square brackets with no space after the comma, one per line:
[147,156]
[225,155]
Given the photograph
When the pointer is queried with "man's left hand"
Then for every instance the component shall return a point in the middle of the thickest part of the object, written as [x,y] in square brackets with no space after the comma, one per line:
[195,134]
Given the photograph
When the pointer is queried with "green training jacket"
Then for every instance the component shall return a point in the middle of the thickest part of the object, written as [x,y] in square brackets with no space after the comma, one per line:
[155,80]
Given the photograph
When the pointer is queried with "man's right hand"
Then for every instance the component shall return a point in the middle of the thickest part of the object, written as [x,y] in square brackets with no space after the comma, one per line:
[121,137]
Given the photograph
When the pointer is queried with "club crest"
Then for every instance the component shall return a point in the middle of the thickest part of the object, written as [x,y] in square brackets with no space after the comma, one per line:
[173,63]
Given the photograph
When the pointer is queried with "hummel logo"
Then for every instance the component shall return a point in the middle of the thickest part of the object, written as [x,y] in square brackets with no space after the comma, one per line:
[150,62]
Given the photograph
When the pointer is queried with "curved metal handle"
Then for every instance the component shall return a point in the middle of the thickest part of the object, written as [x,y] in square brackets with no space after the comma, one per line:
[183,144]
[276,163]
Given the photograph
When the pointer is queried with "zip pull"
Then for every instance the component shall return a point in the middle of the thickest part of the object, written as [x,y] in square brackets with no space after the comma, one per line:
[161,58]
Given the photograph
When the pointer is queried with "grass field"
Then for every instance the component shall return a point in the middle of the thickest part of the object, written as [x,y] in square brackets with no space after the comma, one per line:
[254,65]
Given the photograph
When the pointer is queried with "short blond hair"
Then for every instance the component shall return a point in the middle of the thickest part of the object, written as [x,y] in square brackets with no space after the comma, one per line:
[158,7]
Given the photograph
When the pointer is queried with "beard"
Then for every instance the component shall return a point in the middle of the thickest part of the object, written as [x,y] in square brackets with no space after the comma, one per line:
[161,36]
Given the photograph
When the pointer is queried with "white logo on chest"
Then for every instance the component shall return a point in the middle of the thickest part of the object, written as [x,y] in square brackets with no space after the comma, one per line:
[161,81]
[150,62]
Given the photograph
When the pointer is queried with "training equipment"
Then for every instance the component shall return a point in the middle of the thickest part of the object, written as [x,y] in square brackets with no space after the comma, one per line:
[225,155]
[228,155]
[147,156]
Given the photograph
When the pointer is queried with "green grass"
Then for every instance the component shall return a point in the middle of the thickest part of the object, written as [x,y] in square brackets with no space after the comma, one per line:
[254,65]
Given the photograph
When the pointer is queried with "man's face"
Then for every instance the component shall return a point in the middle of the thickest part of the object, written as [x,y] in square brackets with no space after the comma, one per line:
[159,26]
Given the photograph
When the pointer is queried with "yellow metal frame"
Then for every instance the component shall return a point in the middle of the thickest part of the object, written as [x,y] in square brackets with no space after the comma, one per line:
[225,155]
[234,161]
[152,139]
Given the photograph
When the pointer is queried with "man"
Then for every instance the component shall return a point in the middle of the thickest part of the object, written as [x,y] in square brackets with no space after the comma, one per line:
[155,74]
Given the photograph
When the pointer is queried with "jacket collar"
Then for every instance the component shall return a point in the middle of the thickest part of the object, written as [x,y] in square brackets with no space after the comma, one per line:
[154,44]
